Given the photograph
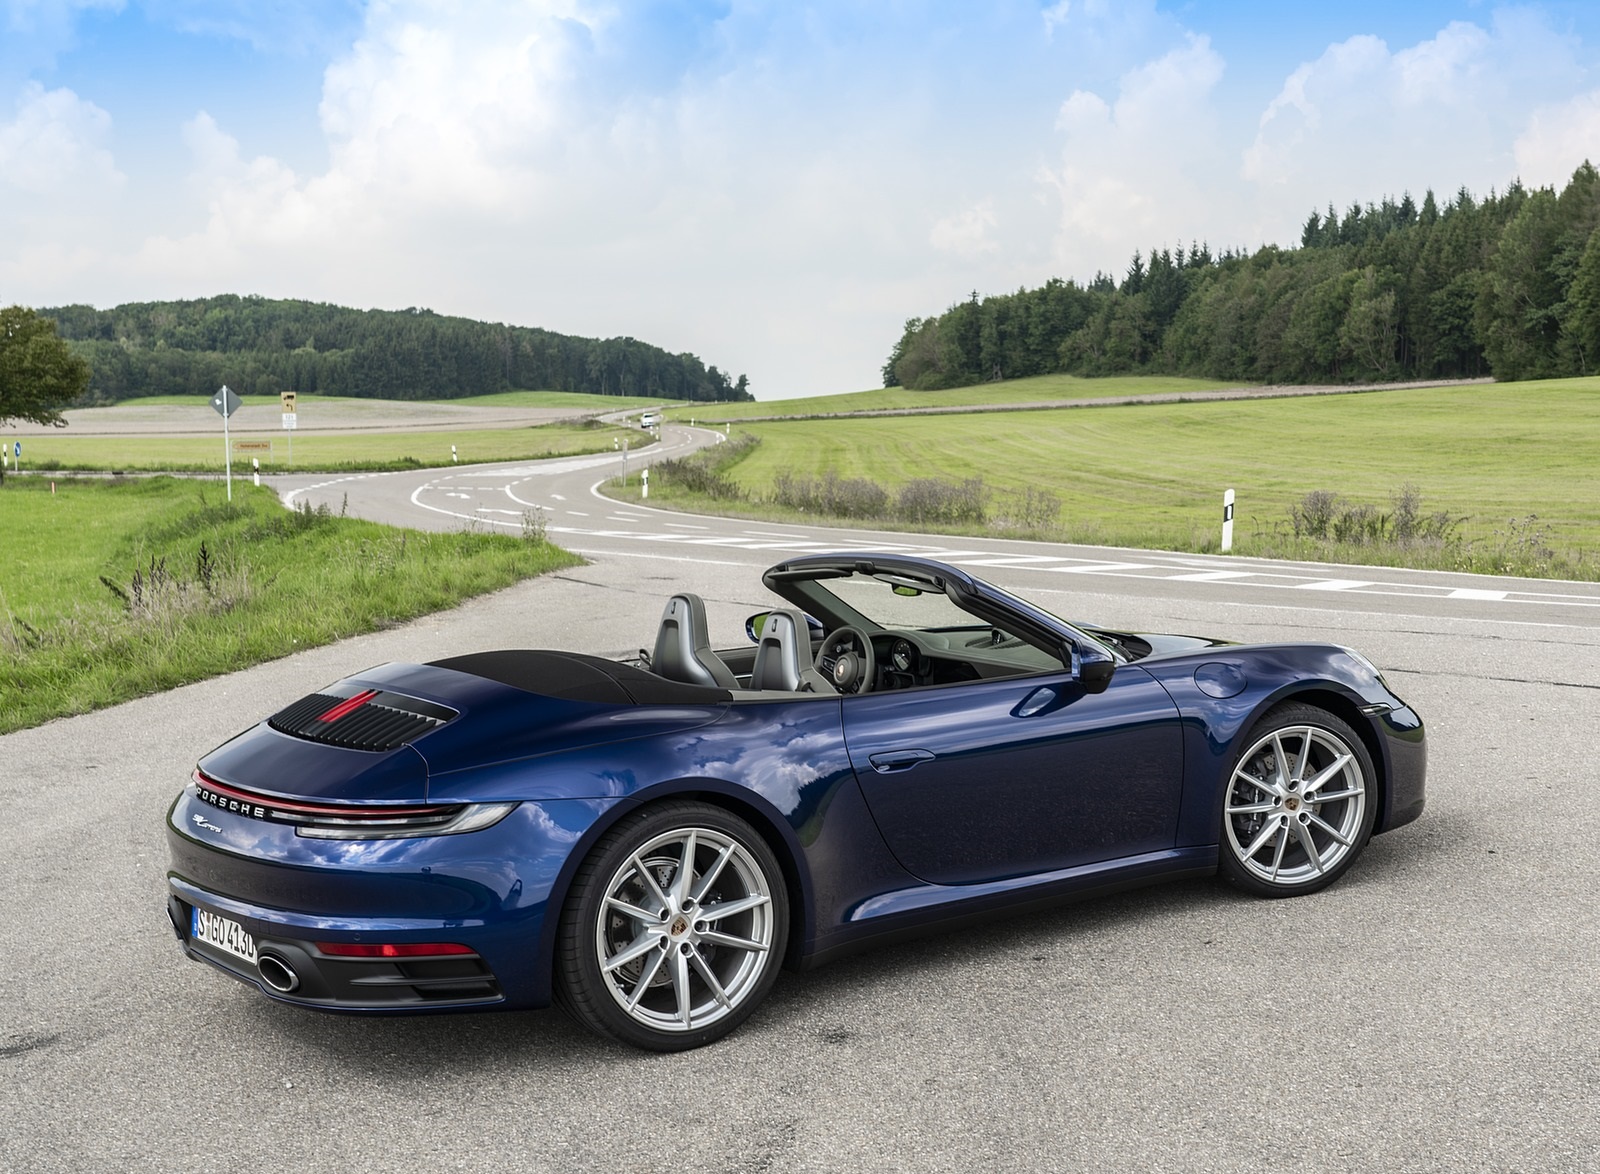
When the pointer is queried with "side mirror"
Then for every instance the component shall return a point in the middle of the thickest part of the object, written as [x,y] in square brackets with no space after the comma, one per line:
[1091,668]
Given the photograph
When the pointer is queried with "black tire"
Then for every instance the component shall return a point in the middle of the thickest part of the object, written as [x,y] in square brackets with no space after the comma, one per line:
[1298,803]
[662,961]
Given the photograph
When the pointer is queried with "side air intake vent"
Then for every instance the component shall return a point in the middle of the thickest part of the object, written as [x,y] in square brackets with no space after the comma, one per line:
[367,719]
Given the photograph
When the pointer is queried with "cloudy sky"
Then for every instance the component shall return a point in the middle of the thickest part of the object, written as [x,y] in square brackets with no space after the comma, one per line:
[774,185]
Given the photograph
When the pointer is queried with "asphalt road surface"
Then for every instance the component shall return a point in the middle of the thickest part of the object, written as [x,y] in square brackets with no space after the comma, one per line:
[1435,1010]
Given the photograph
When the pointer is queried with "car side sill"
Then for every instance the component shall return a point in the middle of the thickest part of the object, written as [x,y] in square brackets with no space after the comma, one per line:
[1000,900]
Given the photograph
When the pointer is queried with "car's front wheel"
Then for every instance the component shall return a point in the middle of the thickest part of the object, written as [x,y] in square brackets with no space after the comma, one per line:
[674,929]
[1299,804]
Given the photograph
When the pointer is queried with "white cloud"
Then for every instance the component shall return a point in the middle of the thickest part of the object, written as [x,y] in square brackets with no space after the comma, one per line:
[1055,16]
[284,26]
[1364,121]
[1557,139]
[434,121]
[55,147]
[1128,167]
[966,233]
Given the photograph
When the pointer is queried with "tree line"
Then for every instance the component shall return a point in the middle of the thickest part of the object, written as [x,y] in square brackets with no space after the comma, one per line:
[265,346]
[1507,286]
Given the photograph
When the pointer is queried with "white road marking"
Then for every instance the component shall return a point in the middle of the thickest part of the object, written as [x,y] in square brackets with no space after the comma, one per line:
[1019,560]
[1333,584]
[1210,576]
[1477,593]
[685,526]
[1099,568]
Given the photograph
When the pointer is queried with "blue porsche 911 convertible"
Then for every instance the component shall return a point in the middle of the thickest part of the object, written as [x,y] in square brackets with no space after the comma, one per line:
[900,748]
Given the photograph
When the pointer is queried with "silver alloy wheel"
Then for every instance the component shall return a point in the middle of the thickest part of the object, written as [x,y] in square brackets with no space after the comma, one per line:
[1295,805]
[685,931]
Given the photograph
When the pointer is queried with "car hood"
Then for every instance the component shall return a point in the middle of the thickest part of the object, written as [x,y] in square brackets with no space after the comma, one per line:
[1172,644]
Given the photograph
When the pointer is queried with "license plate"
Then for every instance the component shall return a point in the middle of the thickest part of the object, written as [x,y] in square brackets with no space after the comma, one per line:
[222,933]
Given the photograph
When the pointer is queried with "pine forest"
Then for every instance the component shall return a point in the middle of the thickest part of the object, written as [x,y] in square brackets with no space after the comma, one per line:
[1507,286]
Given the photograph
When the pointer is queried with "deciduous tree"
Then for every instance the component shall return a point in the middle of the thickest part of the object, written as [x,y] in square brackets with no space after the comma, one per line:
[39,375]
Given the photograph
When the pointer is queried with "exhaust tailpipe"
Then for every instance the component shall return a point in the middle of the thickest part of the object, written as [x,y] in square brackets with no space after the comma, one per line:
[277,973]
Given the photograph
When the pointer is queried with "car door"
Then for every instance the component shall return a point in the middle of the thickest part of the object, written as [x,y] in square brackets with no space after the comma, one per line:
[1002,778]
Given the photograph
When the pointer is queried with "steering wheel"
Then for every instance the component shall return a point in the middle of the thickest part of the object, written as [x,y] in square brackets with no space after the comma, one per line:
[847,660]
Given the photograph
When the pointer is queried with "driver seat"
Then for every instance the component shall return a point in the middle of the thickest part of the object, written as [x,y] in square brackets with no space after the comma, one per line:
[781,663]
[683,649]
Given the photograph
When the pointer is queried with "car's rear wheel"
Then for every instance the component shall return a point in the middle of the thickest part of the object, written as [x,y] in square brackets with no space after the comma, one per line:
[1299,803]
[674,929]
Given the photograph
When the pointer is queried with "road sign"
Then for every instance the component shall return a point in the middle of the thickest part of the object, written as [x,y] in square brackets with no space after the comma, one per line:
[226,403]
[288,403]
[289,421]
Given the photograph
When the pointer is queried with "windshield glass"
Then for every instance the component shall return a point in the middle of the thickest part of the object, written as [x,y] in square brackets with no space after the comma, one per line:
[891,601]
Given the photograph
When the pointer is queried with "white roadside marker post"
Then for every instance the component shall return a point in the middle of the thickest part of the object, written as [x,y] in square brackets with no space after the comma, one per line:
[1227,521]
[645,480]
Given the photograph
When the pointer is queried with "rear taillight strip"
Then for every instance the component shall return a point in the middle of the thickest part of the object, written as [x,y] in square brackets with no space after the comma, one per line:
[258,806]
[355,821]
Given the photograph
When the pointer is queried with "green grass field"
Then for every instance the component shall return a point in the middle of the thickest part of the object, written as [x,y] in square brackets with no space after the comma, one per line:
[199,586]
[1153,475]
[314,451]
[1040,389]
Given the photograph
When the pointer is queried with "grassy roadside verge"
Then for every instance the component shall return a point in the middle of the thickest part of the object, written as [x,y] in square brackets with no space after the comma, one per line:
[325,452]
[1506,475]
[113,590]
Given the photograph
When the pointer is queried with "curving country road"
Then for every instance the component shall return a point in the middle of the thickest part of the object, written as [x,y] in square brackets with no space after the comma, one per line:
[1434,1011]
[565,494]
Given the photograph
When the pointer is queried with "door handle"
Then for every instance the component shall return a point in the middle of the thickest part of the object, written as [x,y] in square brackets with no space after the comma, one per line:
[889,761]
[1036,702]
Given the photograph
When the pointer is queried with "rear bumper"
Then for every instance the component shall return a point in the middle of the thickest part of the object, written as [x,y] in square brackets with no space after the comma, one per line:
[490,891]
[293,968]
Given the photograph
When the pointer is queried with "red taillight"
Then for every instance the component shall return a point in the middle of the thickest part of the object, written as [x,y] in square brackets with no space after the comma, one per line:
[393,949]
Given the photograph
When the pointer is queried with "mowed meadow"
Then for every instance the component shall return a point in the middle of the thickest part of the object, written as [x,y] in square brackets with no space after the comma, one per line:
[366,435]
[1511,472]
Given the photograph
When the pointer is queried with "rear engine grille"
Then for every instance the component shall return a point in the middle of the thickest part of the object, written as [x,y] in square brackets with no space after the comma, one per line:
[368,720]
